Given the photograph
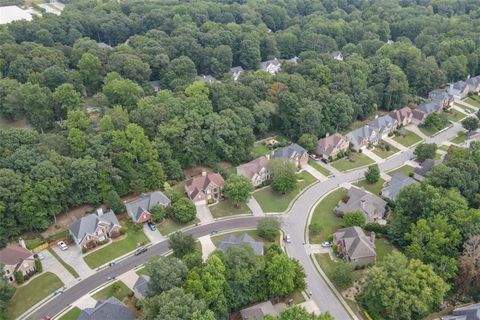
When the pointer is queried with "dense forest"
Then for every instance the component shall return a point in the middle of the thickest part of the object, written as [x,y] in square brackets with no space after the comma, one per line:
[101,56]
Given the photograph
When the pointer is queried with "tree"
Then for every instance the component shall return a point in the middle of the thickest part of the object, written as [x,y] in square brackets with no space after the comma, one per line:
[342,274]
[170,305]
[425,151]
[181,244]
[435,121]
[268,228]
[66,98]
[179,73]
[238,188]
[6,293]
[354,218]
[158,213]
[468,278]
[114,202]
[299,313]
[308,141]
[123,92]
[284,178]
[165,273]
[90,68]
[77,142]
[470,123]
[249,53]
[280,273]
[183,210]
[373,173]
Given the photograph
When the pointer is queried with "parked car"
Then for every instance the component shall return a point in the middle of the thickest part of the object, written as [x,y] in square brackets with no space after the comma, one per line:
[327,244]
[324,160]
[287,238]
[140,250]
[313,156]
[39,256]
[62,246]
[151,225]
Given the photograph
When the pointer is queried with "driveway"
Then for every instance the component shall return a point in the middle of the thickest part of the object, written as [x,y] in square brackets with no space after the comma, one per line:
[207,246]
[314,172]
[394,143]
[50,263]
[153,236]
[255,207]
[129,278]
[372,156]
[204,214]
[74,257]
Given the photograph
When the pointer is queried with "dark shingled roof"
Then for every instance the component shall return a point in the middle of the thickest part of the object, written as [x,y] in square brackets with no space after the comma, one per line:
[88,224]
[145,202]
[471,312]
[141,285]
[110,309]
[231,240]
[289,152]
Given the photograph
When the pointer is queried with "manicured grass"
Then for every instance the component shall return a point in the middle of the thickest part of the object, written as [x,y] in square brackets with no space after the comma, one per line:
[319,167]
[444,147]
[232,170]
[382,153]
[259,150]
[431,131]
[328,266]
[296,296]
[465,108]
[474,101]
[226,208]
[454,115]
[271,201]
[118,289]
[324,215]
[63,263]
[117,248]
[142,271]
[72,314]
[460,138]
[407,138]
[168,226]
[354,161]
[374,188]
[33,243]
[33,292]
[438,156]
[253,233]
[405,170]
[383,248]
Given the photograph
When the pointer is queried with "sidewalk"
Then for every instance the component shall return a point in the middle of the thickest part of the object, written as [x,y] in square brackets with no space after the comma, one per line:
[314,172]
[253,205]
[417,131]
[373,156]
[394,143]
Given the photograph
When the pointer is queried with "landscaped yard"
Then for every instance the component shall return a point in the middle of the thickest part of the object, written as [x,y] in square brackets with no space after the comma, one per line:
[328,266]
[259,150]
[473,100]
[117,248]
[465,108]
[28,295]
[63,263]
[118,289]
[381,150]
[72,314]
[407,138]
[454,115]
[374,188]
[319,167]
[324,216]
[405,170]
[460,138]
[33,243]
[431,131]
[271,201]
[226,208]
[168,226]
[382,248]
[355,160]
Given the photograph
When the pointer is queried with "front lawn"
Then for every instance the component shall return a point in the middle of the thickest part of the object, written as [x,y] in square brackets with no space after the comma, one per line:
[454,115]
[374,188]
[271,201]
[168,226]
[72,314]
[118,289]
[431,131]
[460,138]
[407,138]
[464,108]
[33,292]
[319,167]
[324,216]
[383,248]
[406,170]
[444,147]
[474,101]
[33,243]
[384,150]
[226,208]
[355,160]
[253,233]
[259,150]
[328,266]
[117,248]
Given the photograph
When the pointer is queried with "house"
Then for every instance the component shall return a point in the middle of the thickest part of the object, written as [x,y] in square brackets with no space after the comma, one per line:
[293,153]
[95,227]
[360,138]
[17,258]
[418,116]
[110,309]
[459,89]
[256,170]
[103,45]
[385,125]
[470,312]
[206,78]
[236,72]
[331,146]
[398,182]
[421,172]
[473,84]
[156,85]
[355,246]
[445,99]
[205,188]
[139,209]
[260,310]
[271,66]
[140,288]
[403,116]
[431,107]
[295,60]
[337,55]
[372,207]
[244,239]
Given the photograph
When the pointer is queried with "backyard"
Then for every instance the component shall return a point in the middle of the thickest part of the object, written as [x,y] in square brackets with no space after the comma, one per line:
[323,215]
[319,167]
[355,160]
[406,170]
[383,248]
[374,188]
[226,208]
[259,150]
[117,289]
[384,150]
[407,138]
[271,201]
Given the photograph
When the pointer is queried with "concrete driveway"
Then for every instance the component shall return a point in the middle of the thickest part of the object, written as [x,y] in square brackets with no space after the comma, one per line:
[74,257]
[51,264]
[153,236]
[204,214]
[207,246]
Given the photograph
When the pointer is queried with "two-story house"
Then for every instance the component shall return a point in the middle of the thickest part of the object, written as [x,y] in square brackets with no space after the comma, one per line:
[205,188]
[95,227]
[355,247]
[256,170]
[293,153]
[271,66]
[403,116]
[385,125]
[16,258]
[331,146]
[139,209]
[459,89]
[360,138]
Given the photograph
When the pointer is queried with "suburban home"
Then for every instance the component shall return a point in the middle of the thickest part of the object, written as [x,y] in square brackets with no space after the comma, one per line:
[398,182]
[418,116]
[337,55]
[205,188]
[260,310]
[372,207]
[139,209]
[271,66]
[421,172]
[103,45]
[473,84]
[206,78]
[445,99]
[355,247]
[236,72]
[403,116]
[256,170]
[112,308]
[17,258]
[244,239]
[470,312]
[360,138]
[140,288]
[95,227]
[156,85]
[295,60]
[431,107]
[293,153]
[385,125]
[331,146]
[459,89]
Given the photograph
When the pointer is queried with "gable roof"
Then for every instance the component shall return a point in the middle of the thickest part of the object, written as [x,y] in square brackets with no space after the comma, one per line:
[329,144]
[358,135]
[13,254]
[430,106]
[418,114]
[357,244]
[398,182]
[425,167]
[471,312]
[439,95]
[474,81]
[110,309]
[381,122]
[260,310]
[234,241]
[459,85]
[289,152]
[401,114]
[88,224]
[269,63]
[141,285]
[145,202]
[372,206]
[198,184]
[253,167]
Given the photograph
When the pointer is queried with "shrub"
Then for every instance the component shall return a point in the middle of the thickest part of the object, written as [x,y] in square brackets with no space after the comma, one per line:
[330,237]
[38,266]
[377,228]
[123,230]
[268,228]
[342,275]
[354,218]
[19,277]
[84,249]
[158,213]
[183,210]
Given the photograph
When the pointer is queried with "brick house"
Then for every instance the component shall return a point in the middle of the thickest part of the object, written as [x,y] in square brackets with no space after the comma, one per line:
[17,258]
[204,188]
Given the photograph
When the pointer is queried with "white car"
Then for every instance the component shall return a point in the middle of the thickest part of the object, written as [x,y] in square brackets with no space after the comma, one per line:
[288,239]
[327,244]
[39,256]
[62,246]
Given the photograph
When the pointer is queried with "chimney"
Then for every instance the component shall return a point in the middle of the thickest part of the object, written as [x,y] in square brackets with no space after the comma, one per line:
[21,242]
[99,212]
[372,237]
[204,173]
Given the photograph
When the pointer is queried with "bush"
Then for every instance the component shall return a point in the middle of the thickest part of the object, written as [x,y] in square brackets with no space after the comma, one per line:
[342,275]
[183,210]
[330,237]
[354,218]
[377,228]
[84,249]
[372,174]
[123,230]
[158,213]
[38,266]
[19,277]
[268,228]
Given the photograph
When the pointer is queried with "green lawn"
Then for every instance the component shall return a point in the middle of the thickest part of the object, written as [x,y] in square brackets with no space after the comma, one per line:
[438,156]
[381,151]
[407,138]
[116,249]
[324,216]
[232,170]
[142,271]
[259,150]
[474,101]
[355,160]
[118,289]
[253,233]
[454,115]
[31,293]
[168,226]
[271,201]
[63,263]
[465,108]
[460,138]
[33,243]
[444,147]
[72,314]
[319,167]
[405,170]
[226,208]
[328,266]
[374,188]
[431,131]
[382,248]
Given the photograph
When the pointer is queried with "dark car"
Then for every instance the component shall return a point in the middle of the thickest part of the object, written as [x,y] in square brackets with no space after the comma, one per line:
[140,250]
[151,225]
[324,160]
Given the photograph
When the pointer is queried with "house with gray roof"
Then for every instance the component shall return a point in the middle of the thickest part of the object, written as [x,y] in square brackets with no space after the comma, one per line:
[244,239]
[271,66]
[473,84]
[293,153]
[236,72]
[421,172]
[385,125]
[140,288]
[431,107]
[139,209]
[360,138]
[110,309]
[295,60]
[470,312]
[337,55]
[372,207]
[95,227]
[206,78]
[459,89]
[443,97]
[355,247]
[398,182]
[260,310]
